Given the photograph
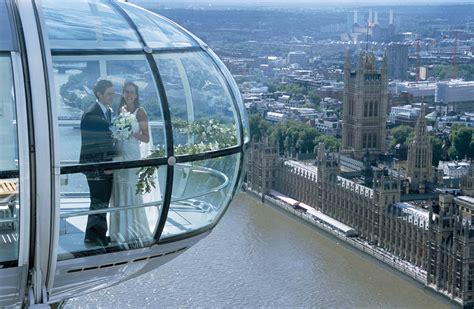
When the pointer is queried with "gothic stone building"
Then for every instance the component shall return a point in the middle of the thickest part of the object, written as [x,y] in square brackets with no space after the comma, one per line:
[451,244]
[364,107]
[262,166]
[375,210]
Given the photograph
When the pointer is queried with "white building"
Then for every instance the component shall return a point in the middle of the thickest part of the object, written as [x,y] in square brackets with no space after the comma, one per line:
[298,57]
[275,117]
[456,93]
[418,90]
[454,169]
[405,111]
[467,119]
[332,128]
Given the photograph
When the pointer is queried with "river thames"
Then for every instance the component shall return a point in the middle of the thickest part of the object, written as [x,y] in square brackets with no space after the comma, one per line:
[258,256]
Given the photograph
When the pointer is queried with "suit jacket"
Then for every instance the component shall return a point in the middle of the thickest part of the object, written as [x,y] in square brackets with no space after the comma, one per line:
[97,144]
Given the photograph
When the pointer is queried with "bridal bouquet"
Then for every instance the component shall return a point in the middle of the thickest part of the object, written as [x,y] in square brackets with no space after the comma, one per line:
[124,126]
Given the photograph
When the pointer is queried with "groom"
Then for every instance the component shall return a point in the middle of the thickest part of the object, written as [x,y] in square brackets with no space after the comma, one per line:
[98,146]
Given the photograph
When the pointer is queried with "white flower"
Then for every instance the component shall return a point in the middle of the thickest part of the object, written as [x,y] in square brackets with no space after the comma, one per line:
[124,126]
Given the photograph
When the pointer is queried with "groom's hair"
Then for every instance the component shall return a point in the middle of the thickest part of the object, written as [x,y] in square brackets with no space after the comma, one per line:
[101,86]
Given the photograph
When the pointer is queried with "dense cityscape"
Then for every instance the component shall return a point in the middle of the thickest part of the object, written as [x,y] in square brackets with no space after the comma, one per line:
[364,115]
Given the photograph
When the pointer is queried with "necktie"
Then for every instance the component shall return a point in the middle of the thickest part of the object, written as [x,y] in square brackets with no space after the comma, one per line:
[109,115]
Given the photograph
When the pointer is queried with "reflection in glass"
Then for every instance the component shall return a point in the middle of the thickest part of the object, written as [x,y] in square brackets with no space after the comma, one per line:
[157,31]
[131,217]
[6,37]
[75,78]
[9,170]
[238,96]
[80,24]
[201,192]
[201,108]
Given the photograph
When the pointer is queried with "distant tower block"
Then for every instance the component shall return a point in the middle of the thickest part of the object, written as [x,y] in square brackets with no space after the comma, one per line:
[397,61]
[355,17]
[390,18]
[364,107]
[376,17]
[420,154]
[370,16]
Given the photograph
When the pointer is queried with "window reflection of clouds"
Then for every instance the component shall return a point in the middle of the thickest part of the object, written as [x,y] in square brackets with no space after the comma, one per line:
[197,93]
[208,88]
[75,77]
[70,23]
[238,97]
[156,31]
[6,39]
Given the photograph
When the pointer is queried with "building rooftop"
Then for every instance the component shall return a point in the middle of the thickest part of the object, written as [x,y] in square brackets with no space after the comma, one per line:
[415,215]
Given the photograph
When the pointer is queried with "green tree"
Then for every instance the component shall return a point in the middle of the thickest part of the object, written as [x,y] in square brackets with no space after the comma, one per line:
[437,146]
[271,87]
[293,136]
[258,126]
[313,97]
[462,144]
[331,143]
[465,71]
[401,135]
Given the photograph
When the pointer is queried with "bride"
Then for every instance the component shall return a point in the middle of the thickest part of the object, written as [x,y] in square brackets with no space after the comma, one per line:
[130,225]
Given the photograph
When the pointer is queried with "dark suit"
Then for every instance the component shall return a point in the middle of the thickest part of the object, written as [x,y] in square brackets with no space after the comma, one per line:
[97,146]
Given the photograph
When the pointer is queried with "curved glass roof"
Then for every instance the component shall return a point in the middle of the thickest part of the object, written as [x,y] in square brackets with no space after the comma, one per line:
[7,41]
[96,24]
[155,30]
[81,24]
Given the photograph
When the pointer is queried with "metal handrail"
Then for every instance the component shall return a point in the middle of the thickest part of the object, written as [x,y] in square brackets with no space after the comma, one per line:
[9,220]
[224,184]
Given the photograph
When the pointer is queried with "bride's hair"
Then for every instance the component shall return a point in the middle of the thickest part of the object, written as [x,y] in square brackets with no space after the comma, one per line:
[122,100]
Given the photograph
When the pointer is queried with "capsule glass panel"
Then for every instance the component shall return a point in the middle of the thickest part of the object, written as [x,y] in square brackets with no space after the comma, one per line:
[75,78]
[237,95]
[129,221]
[156,30]
[81,24]
[9,168]
[6,34]
[109,111]
[201,192]
[201,107]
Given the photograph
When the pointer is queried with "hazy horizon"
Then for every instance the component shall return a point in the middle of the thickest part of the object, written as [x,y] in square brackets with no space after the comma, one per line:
[304,2]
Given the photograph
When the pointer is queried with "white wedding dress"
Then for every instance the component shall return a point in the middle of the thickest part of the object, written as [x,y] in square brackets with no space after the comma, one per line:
[128,226]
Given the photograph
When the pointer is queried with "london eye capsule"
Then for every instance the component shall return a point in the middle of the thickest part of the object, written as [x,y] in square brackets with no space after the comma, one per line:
[124,139]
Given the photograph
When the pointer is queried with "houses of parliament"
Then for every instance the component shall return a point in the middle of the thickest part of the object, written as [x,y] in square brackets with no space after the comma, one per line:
[403,212]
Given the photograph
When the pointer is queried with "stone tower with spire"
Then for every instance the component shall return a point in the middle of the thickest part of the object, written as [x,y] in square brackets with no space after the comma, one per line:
[364,107]
[420,154]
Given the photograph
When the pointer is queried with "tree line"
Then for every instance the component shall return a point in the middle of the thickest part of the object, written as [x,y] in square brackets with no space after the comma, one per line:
[459,144]
[292,136]
[299,137]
